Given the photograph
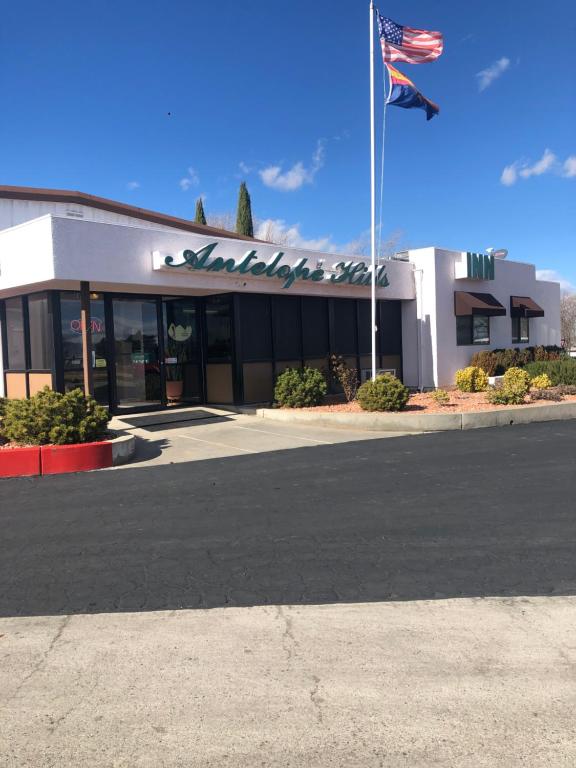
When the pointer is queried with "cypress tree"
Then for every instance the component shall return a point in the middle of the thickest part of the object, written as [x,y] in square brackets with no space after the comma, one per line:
[200,217]
[244,223]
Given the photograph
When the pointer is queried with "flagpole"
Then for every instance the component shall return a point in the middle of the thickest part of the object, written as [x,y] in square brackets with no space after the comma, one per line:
[372,193]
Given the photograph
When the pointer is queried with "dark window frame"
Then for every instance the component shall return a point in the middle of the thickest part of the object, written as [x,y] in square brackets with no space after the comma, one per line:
[465,324]
[517,337]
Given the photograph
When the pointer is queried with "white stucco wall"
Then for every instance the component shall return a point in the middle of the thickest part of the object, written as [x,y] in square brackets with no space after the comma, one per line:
[442,357]
[120,258]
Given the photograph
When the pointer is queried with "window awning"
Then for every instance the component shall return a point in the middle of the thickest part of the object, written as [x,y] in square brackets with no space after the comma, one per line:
[477,304]
[524,306]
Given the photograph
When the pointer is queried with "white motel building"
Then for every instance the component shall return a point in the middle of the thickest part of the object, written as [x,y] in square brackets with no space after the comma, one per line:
[175,312]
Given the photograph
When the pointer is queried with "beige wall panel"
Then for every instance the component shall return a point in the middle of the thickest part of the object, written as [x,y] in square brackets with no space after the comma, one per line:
[219,383]
[38,381]
[16,385]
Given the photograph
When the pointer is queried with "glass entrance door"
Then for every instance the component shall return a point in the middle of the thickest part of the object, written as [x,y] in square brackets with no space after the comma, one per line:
[182,354]
[136,352]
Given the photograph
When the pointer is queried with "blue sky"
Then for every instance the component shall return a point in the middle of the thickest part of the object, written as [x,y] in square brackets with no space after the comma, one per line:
[277,93]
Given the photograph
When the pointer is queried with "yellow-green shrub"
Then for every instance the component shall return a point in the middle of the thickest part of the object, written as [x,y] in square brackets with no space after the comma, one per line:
[517,379]
[440,397]
[471,379]
[542,381]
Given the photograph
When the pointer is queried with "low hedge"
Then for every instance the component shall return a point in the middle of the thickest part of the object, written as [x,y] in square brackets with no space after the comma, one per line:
[300,388]
[384,393]
[495,362]
[558,371]
[53,418]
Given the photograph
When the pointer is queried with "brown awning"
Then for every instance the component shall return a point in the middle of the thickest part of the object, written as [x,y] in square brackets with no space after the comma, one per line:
[524,306]
[477,304]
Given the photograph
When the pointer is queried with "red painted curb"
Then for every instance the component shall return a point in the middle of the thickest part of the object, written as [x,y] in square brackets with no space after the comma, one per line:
[20,462]
[59,459]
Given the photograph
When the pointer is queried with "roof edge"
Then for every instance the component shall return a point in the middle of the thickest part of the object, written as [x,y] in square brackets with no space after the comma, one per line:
[112,206]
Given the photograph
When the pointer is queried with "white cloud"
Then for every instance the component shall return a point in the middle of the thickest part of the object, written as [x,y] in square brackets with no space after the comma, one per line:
[244,167]
[133,185]
[547,163]
[295,177]
[550,274]
[509,175]
[190,180]
[487,76]
[279,232]
[569,167]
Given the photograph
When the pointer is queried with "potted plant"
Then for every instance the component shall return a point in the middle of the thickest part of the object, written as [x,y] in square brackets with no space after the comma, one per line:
[176,356]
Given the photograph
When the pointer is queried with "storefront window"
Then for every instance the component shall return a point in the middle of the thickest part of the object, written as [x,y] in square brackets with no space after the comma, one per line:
[520,330]
[72,344]
[472,329]
[41,336]
[219,327]
[15,334]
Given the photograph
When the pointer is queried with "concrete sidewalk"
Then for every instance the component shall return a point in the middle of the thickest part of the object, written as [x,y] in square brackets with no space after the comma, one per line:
[472,683]
[196,434]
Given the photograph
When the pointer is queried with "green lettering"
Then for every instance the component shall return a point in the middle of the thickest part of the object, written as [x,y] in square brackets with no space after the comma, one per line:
[244,267]
[270,268]
[259,268]
[193,259]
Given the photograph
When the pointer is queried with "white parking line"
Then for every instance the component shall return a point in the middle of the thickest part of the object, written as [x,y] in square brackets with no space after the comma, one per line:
[220,445]
[278,434]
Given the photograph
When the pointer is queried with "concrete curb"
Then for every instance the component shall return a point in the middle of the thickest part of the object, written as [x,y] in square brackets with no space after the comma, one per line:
[123,449]
[429,422]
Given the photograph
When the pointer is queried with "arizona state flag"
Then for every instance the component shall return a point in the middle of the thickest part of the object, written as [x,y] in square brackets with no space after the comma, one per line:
[403,93]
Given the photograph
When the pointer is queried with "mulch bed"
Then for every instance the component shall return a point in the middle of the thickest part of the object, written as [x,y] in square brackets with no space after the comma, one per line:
[422,402]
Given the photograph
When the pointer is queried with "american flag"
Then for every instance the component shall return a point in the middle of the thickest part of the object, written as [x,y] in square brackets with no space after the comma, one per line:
[414,46]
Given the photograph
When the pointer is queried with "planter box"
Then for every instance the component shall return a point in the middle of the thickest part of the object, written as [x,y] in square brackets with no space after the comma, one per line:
[20,462]
[59,459]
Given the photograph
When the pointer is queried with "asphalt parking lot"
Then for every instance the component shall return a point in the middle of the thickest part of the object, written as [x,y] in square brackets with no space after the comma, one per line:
[405,602]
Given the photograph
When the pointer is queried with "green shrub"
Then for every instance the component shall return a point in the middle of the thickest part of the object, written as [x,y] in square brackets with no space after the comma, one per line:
[440,397]
[518,380]
[562,371]
[384,393]
[51,418]
[542,381]
[300,388]
[501,395]
[471,379]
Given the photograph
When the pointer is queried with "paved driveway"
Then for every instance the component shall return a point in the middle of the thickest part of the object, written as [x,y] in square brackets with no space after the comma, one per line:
[194,434]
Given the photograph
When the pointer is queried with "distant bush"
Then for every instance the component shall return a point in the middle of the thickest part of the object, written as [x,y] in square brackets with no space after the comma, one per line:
[385,393]
[546,394]
[542,381]
[566,389]
[559,371]
[300,388]
[517,379]
[471,379]
[53,418]
[501,395]
[497,361]
[440,397]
